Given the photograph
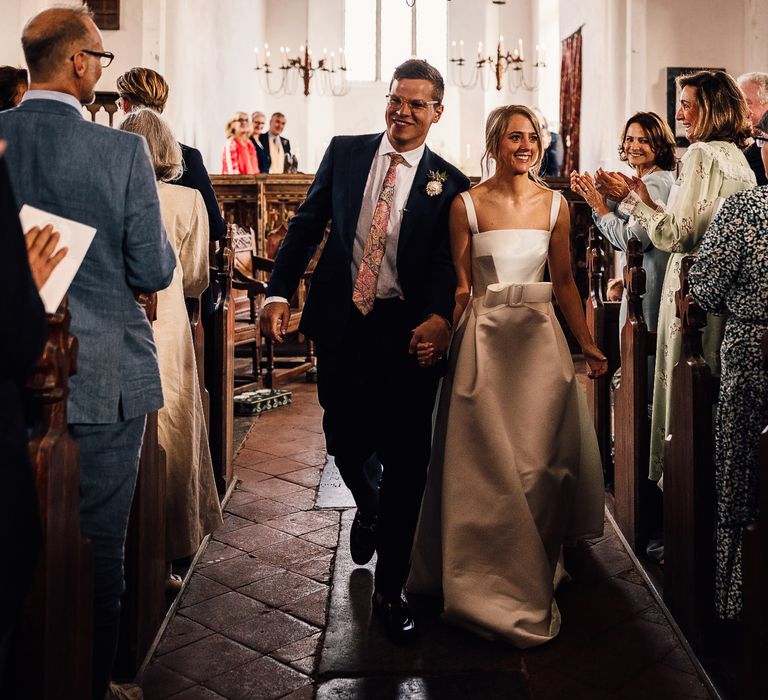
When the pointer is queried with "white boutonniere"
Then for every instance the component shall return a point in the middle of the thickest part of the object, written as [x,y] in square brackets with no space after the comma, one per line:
[435,183]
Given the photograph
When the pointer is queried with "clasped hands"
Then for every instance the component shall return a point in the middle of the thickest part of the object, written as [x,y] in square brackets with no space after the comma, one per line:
[605,184]
[430,340]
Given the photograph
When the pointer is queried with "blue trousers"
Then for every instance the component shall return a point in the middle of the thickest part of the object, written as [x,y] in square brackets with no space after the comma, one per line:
[109,464]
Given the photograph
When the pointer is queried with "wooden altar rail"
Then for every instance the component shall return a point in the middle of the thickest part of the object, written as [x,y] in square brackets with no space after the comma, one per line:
[603,323]
[755,567]
[55,650]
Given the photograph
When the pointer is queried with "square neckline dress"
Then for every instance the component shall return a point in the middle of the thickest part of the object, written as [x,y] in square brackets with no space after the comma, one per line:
[515,469]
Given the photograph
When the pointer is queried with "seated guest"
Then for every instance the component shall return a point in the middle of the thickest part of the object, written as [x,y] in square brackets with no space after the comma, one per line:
[13,85]
[755,89]
[239,157]
[101,177]
[731,276]
[553,147]
[648,145]
[276,145]
[24,331]
[258,120]
[192,505]
[143,87]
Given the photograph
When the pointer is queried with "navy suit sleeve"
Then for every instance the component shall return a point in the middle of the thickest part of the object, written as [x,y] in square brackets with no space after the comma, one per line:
[442,274]
[305,231]
[149,257]
[196,176]
[21,309]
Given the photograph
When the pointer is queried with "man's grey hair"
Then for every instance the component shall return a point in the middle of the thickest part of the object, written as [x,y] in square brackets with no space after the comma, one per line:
[759,79]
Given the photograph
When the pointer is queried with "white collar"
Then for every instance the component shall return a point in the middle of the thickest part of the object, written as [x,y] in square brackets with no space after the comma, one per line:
[411,157]
[64,97]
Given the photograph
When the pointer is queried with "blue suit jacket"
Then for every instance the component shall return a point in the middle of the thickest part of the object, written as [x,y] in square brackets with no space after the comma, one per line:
[265,160]
[424,266]
[101,177]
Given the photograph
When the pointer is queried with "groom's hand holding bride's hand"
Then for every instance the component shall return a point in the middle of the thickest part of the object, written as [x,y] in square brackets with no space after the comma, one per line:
[430,340]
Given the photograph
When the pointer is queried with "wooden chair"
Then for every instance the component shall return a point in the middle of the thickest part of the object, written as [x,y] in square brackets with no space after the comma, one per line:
[252,275]
[247,305]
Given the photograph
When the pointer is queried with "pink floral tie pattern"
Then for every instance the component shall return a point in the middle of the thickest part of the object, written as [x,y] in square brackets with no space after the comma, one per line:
[364,293]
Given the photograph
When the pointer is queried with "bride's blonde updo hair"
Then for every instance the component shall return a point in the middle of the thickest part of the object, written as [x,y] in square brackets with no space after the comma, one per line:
[496,129]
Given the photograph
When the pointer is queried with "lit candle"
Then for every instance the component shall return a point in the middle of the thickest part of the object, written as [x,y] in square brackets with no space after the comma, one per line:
[332,58]
[501,45]
[301,49]
[520,46]
[515,55]
[256,55]
[479,50]
[461,48]
[538,54]
[453,50]
[282,56]
[342,58]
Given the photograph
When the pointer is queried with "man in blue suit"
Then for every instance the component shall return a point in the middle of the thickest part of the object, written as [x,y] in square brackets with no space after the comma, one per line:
[384,282]
[101,177]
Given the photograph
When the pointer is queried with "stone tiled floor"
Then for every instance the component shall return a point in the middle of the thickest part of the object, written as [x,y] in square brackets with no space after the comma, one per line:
[250,623]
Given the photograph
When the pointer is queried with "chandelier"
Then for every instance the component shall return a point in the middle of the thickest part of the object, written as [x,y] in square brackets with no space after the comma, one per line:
[285,78]
[468,73]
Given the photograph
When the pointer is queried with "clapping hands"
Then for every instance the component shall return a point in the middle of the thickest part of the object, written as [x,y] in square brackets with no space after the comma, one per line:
[585,186]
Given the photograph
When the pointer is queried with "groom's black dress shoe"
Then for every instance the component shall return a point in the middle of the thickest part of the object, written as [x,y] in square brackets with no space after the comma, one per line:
[396,618]
[362,540]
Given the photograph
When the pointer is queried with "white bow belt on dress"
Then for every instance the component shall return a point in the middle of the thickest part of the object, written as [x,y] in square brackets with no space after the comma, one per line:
[536,295]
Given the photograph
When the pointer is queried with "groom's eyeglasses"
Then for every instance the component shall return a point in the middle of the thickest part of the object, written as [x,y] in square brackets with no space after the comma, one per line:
[397,103]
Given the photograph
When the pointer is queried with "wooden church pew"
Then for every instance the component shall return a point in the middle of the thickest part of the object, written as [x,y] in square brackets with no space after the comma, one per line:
[144,602]
[55,650]
[603,323]
[689,493]
[755,571]
[222,384]
[631,423]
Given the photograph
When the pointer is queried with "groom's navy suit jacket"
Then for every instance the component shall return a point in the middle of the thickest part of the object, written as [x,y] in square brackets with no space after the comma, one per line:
[424,266]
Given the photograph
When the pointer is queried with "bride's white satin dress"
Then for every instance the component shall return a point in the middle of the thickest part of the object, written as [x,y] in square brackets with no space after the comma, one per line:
[515,468]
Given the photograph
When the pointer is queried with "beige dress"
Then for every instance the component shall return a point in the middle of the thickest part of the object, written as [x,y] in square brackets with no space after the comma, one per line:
[515,468]
[192,502]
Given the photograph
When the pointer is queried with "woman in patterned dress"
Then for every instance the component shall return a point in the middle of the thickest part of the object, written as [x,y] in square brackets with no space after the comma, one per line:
[731,275]
[716,120]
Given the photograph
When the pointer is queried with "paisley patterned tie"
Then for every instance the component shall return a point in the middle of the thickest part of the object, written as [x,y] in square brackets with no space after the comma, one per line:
[364,293]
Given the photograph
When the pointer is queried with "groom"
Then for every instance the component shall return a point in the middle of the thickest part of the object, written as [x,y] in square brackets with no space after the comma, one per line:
[384,282]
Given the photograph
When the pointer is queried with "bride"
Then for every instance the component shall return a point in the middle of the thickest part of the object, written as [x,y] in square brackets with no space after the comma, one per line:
[515,468]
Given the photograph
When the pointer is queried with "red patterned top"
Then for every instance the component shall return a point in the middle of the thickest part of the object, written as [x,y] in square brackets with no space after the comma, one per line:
[239,158]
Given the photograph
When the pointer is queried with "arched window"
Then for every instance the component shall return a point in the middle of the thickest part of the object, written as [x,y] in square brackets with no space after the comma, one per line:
[380,34]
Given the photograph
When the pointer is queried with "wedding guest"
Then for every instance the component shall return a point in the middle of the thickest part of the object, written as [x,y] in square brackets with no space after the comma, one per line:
[103,178]
[755,88]
[258,120]
[730,276]
[648,145]
[716,120]
[144,87]
[13,85]
[192,505]
[277,145]
[515,468]
[239,157]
